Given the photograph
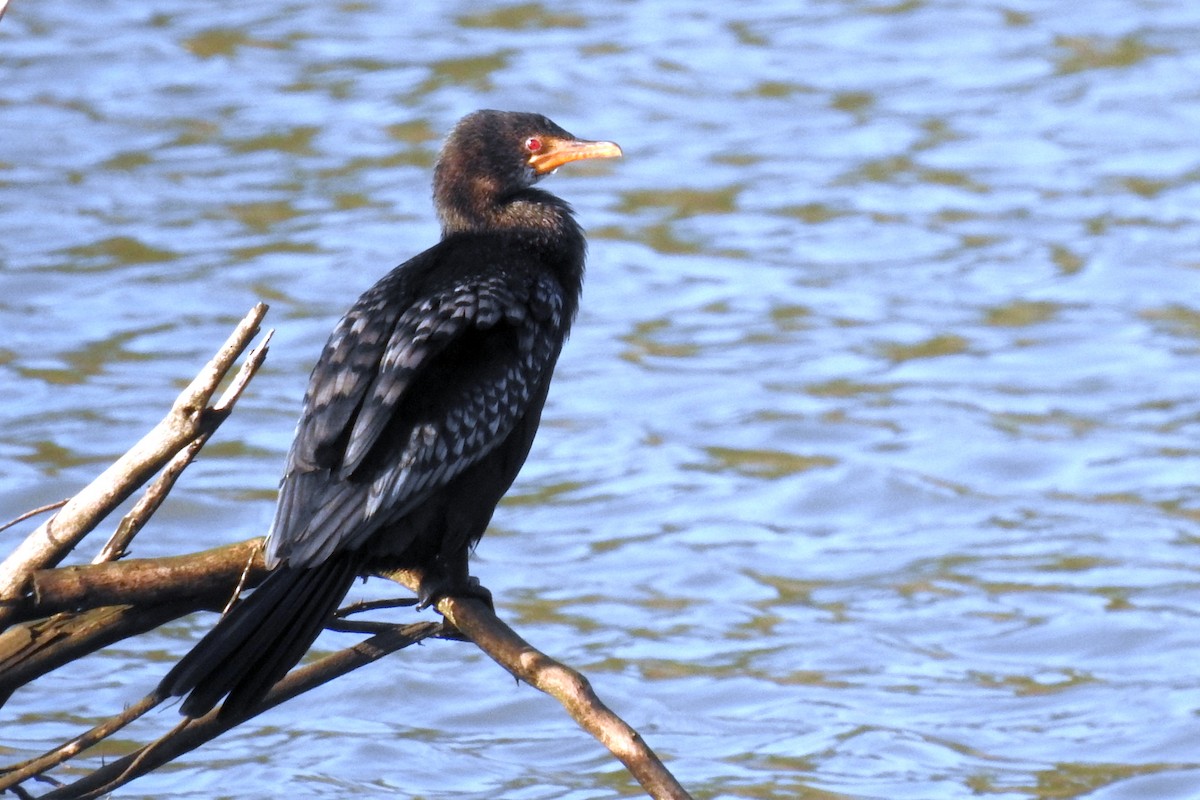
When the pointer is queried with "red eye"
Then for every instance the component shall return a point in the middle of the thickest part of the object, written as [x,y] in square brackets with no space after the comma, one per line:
[533,144]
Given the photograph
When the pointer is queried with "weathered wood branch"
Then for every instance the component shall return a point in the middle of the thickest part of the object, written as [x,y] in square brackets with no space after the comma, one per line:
[56,615]
[191,733]
[204,577]
[73,611]
[479,624]
[118,544]
[189,418]
[29,651]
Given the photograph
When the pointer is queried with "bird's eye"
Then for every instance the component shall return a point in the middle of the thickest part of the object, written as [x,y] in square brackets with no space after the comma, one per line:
[533,144]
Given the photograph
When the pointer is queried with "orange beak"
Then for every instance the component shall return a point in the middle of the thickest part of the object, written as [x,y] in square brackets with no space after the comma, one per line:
[556,152]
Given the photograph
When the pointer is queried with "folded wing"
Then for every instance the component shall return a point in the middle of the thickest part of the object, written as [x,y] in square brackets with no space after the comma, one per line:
[402,401]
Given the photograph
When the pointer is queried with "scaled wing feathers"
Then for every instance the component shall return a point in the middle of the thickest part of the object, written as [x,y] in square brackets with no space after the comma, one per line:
[387,421]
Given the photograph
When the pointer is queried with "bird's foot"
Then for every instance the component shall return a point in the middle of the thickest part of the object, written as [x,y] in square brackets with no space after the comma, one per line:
[434,587]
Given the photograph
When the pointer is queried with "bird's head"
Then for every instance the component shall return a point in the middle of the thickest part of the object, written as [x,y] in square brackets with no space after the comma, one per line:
[491,155]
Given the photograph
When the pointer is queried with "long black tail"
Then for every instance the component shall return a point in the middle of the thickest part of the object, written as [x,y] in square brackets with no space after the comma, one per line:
[260,639]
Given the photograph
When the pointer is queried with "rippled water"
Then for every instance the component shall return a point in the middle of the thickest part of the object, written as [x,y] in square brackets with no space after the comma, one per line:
[871,468]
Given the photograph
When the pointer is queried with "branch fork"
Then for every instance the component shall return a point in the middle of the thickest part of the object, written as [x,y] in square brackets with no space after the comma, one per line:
[51,615]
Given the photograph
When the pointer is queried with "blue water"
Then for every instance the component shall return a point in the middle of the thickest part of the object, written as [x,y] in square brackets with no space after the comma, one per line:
[870,470]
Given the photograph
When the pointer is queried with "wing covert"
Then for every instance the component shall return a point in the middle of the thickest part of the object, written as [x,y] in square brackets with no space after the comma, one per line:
[414,419]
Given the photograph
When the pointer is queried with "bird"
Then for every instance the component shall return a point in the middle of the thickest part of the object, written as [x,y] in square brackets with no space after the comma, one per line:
[420,410]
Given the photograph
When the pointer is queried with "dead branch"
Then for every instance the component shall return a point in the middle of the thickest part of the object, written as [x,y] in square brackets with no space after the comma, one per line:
[66,613]
[33,512]
[14,774]
[118,544]
[189,417]
[206,577]
[78,610]
[191,733]
[479,624]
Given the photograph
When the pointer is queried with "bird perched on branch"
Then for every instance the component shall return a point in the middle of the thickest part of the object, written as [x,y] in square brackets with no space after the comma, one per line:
[421,409]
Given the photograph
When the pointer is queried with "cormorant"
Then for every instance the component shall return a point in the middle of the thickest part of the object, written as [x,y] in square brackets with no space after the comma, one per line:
[420,410]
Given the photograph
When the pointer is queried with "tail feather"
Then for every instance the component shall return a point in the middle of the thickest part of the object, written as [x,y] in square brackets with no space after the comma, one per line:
[260,639]
[323,598]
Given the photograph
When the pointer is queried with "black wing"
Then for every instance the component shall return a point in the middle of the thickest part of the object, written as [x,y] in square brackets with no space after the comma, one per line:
[404,397]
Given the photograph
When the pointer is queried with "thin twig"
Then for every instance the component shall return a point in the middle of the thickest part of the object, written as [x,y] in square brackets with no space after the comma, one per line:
[33,512]
[153,497]
[118,544]
[254,360]
[186,737]
[255,559]
[14,774]
[54,539]
[358,626]
[375,605]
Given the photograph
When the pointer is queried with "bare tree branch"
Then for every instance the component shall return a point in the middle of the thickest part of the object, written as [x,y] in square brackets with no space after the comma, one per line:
[33,512]
[66,613]
[78,610]
[16,773]
[51,542]
[191,734]
[31,650]
[117,546]
[479,623]
[206,577]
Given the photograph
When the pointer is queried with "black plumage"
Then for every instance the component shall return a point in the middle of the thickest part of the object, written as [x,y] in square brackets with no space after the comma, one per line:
[421,408]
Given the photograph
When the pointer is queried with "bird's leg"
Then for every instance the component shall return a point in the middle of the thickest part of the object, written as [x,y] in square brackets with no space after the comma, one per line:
[451,579]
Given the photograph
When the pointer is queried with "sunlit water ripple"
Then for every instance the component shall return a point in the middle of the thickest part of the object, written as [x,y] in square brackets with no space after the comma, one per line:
[869,471]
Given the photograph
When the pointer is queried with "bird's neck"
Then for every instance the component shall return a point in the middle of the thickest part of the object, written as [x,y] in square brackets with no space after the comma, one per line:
[538,217]
[534,221]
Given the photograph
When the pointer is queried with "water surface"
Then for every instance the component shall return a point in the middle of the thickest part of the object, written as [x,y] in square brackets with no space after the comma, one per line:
[870,469]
